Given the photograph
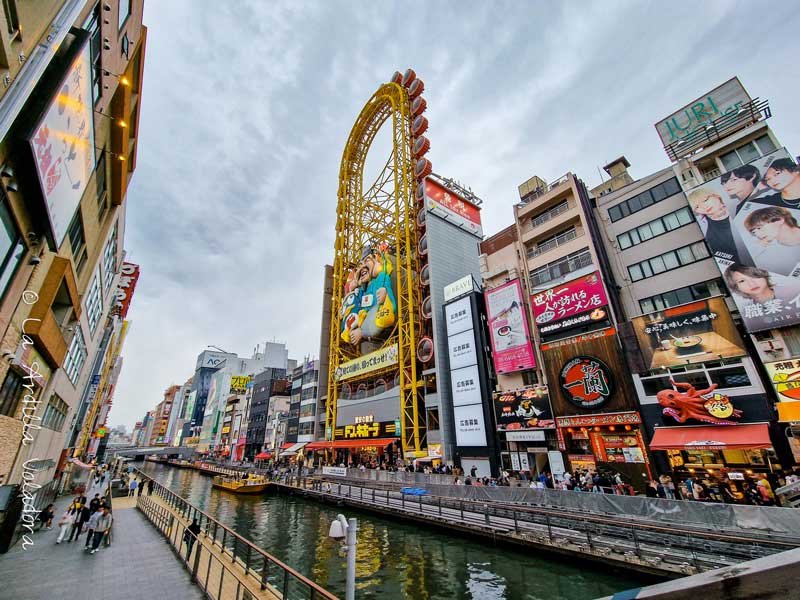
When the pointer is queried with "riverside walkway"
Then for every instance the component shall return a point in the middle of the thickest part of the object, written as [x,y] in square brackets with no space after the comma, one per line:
[137,564]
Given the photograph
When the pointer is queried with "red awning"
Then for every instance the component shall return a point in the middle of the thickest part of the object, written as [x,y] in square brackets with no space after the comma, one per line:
[286,445]
[370,443]
[263,455]
[709,437]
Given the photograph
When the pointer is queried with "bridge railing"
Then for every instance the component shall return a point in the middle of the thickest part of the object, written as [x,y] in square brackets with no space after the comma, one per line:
[259,566]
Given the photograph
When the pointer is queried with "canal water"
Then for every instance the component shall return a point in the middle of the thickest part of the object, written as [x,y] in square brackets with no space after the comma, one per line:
[394,560]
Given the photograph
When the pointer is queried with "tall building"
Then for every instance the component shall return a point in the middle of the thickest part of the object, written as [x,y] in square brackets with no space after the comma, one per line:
[76,73]
[302,410]
[257,419]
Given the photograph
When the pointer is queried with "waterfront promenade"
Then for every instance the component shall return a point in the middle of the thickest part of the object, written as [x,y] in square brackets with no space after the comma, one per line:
[138,563]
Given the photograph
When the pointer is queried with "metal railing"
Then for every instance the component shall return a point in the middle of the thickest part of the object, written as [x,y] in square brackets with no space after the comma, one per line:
[552,213]
[260,568]
[554,242]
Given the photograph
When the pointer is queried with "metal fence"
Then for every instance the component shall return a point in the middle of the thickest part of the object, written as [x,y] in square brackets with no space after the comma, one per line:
[217,579]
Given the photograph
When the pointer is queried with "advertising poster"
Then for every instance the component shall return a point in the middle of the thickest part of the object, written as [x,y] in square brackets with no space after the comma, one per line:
[466,386]
[129,276]
[239,384]
[587,372]
[458,316]
[63,146]
[750,218]
[444,203]
[574,303]
[690,333]
[523,409]
[461,348]
[385,357]
[470,426]
[785,378]
[508,329]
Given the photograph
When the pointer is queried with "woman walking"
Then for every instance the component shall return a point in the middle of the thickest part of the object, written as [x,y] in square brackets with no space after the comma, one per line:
[66,521]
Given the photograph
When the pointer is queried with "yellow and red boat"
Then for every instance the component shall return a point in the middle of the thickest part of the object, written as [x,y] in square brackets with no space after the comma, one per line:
[249,485]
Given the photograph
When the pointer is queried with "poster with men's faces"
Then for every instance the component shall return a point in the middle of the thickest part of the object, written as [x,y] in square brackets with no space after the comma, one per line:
[750,218]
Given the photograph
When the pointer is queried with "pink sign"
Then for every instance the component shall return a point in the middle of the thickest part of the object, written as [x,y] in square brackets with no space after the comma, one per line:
[508,327]
[572,298]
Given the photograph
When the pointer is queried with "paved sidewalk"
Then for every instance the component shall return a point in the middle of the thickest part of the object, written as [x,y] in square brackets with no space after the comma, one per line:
[138,564]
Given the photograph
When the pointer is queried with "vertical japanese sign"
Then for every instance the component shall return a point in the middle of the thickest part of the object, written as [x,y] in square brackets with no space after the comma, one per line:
[127,284]
[508,328]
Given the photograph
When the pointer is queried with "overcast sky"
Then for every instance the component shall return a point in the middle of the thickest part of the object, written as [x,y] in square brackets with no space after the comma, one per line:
[246,107]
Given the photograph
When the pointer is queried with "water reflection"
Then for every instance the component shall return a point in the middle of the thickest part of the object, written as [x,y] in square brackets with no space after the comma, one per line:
[394,560]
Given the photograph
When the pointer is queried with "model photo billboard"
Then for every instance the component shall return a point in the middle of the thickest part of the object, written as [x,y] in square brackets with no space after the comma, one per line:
[570,304]
[750,218]
[508,329]
[523,409]
[63,145]
[690,333]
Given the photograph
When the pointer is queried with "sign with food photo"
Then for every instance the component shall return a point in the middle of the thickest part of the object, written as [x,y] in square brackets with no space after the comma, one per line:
[566,301]
[690,333]
[524,409]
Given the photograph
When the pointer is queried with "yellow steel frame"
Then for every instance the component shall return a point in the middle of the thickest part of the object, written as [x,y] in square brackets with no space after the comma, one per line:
[383,213]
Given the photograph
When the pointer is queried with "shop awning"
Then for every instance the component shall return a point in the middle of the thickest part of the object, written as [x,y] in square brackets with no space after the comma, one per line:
[370,443]
[788,412]
[292,449]
[720,437]
[263,455]
[286,445]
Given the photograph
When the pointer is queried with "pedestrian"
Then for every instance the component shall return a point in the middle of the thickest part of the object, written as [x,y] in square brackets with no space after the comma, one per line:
[150,484]
[66,522]
[45,517]
[190,536]
[102,528]
[473,471]
[91,525]
[132,488]
[83,517]
[652,489]
[95,503]
[141,486]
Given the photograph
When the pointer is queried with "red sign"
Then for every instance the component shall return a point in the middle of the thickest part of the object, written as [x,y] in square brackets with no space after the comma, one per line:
[582,295]
[586,381]
[439,197]
[684,403]
[127,284]
[622,418]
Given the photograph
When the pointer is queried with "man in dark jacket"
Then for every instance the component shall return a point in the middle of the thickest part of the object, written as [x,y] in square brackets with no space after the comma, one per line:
[150,484]
[77,527]
[190,536]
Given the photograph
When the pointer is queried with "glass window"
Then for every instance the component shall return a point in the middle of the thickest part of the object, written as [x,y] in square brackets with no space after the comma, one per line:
[624,241]
[12,249]
[76,356]
[671,221]
[124,11]
[635,238]
[10,393]
[657,227]
[730,377]
[658,265]
[699,250]
[75,233]
[647,269]
[671,260]
[696,378]
[685,255]
[671,187]
[646,199]
[110,258]
[635,204]
[614,213]
[685,216]
[730,160]
[659,193]
[683,295]
[625,209]
[765,144]
[635,272]
[94,302]
[748,152]
[647,305]
[655,384]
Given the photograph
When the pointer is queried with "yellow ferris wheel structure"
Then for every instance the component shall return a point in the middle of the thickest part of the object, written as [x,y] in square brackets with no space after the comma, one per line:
[384,213]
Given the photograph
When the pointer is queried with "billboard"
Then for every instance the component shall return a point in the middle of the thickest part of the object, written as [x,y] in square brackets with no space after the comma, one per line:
[690,333]
[458,316]
[385,357]
[586,372]
[722,101]
[570,304]
[785,378]
[750,218]
[523,409]
[466,386]
[470,425]
[129,276]
[369,307]
[508,328]
[461,348]
[446,204]
[63,145]
[239,383]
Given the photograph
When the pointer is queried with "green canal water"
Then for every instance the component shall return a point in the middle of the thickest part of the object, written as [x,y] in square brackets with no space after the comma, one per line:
[394,560]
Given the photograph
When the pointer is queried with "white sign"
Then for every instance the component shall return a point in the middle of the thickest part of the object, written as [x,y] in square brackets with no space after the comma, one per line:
[461,348]
[524,436]
[63,146]
[466,386]
[458,316]
[523,462]
[335,471]
[470,426]
[514,461]
[556,463]
[458,288]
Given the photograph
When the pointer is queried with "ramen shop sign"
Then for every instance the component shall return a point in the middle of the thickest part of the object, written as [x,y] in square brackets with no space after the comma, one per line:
[586,381]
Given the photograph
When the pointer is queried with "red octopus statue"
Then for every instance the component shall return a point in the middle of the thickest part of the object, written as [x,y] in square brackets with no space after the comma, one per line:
[694,404]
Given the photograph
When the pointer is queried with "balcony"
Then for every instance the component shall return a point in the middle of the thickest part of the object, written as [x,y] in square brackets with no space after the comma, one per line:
[554,243]
[550,214]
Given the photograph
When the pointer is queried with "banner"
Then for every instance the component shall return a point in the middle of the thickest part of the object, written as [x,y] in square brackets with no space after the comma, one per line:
[508,328]
[239,383]
[523,409]
[385,357]
[785,378]
[446,204]
[558,308]
[690,333]
[750,218]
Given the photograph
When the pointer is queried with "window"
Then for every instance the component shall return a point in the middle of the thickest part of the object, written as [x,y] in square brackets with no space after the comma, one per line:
[668,261]
[550,213]
[433,419]
[306,428]
[124,8]
[55,414]
[12,249]
[76,356]
[92,25]
[309,393]
[126,46]
[77,242]
[563,266]
[12,18]
[94,302]
[110,258]
[659,226]
[726,374]
[747,153]
[10,394]
[644,199]
[100,181]
[309,410]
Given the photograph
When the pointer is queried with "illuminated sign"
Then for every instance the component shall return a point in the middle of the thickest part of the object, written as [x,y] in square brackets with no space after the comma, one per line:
[586,381]
[465,285]
[239,383]
[365,419]
[785,378]
[685,403]
[367,429]
[385,357]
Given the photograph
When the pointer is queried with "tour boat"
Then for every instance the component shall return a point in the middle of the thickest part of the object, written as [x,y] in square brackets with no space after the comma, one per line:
[253,485]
